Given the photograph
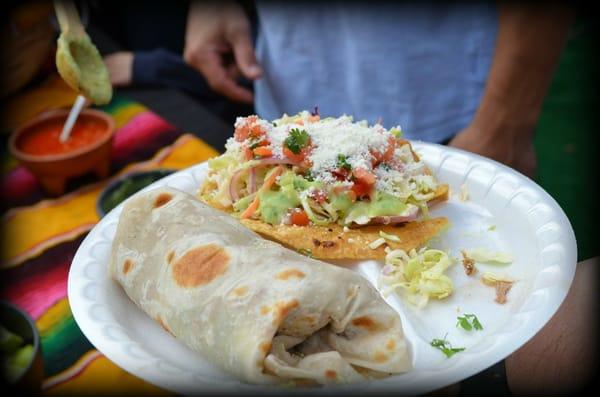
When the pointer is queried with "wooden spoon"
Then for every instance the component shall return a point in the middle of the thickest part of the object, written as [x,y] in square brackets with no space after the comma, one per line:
[77,58]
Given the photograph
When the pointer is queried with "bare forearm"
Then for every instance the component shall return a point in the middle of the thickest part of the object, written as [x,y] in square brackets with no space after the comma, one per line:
[530,40]
[529,43]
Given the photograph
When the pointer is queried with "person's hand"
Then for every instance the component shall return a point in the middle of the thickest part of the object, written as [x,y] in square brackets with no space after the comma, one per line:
[512,148]
[120,66]
[219,45]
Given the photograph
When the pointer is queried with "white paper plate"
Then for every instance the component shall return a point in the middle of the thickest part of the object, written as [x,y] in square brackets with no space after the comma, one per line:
[526,222]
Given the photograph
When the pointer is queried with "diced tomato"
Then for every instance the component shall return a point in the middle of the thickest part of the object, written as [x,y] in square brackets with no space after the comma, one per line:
[300,158]
[263,151]
[241,133]
[363,176]
[361,189]
[379,157]
[264,142]
[248,154]
[341,174]
[389,152]
[298,217]
[296,158]
[250,128]
[256,131]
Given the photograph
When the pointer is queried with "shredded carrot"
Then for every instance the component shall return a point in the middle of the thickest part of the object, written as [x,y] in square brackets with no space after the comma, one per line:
[248,212]
[271,179]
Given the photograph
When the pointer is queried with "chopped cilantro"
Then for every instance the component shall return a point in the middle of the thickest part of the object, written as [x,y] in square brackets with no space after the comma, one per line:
[296,140]
[255,143]
[468,322]
[305,252]
[343,163]
[396,132]
[445,347]
[309,176]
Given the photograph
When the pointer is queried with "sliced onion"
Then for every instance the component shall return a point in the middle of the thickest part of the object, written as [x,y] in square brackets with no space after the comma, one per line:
[233,194]
[393,220]
[387,270]
[252,180]
[274,160]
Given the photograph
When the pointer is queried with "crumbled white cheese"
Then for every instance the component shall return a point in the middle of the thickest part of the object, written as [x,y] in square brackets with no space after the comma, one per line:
[330,138]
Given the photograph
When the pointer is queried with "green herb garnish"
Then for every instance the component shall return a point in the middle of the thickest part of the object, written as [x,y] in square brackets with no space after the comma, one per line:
[445,347]
[305,252]
[296,140]
[396,132]
[468,322]
[309,176]
[343,163]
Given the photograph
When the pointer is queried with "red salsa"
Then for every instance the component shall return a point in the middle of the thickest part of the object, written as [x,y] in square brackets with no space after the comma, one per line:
[44,139]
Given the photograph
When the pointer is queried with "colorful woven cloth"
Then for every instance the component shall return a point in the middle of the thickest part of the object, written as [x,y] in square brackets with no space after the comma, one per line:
[40,239]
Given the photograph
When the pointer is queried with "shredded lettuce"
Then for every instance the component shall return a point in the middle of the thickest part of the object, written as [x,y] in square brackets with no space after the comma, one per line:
[418,275]
[490,278]
[483,255]
[375,244]
[387,236]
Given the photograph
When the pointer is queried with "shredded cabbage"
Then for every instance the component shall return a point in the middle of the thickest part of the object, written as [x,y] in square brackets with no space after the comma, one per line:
[483,255]
[387,236]
[490,278]
[418,275]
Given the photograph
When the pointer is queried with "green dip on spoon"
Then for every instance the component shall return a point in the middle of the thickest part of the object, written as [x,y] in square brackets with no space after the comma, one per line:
[78,61]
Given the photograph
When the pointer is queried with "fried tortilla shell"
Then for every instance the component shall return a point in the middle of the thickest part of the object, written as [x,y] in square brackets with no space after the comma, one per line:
[331,242]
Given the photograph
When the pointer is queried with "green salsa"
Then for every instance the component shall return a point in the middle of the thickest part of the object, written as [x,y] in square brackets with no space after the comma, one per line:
[128,187]
[16,355]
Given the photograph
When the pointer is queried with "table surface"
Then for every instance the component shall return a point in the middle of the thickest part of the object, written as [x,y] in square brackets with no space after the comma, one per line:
[183,112]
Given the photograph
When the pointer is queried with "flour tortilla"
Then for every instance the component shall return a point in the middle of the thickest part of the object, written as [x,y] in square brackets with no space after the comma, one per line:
[261,312]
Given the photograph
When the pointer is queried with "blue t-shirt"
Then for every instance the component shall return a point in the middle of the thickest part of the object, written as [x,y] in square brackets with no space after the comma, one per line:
[421,66]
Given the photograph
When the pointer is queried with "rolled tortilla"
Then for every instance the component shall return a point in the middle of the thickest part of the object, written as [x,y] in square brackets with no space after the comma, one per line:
[264,313]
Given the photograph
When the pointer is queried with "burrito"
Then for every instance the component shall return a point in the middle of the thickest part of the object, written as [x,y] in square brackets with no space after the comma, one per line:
[259,311]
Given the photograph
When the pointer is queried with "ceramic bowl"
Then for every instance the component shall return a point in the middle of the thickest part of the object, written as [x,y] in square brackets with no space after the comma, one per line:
[54,170]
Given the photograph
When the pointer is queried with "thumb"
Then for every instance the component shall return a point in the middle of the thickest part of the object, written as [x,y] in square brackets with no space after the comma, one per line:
[243,51]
